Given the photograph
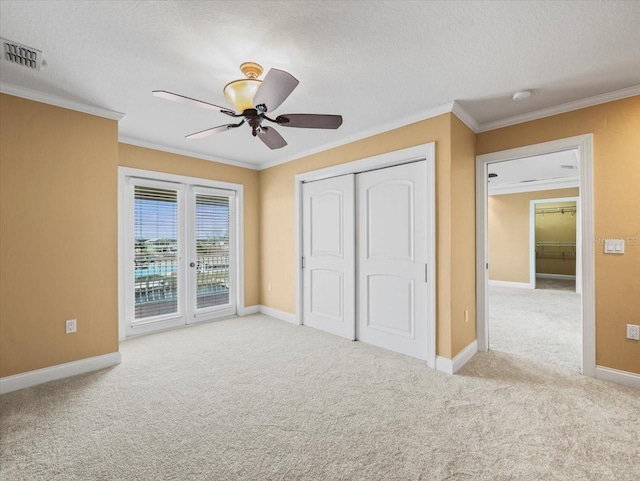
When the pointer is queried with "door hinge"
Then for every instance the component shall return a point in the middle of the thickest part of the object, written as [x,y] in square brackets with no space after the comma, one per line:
[426,272]
[302,262]
[487,266]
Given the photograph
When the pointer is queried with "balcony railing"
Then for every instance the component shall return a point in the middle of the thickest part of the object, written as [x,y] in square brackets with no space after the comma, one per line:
[156,283]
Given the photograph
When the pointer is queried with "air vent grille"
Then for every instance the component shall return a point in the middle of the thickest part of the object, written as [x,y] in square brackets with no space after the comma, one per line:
[21,54]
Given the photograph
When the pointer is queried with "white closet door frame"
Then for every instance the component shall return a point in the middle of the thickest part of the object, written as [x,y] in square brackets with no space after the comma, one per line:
[125,231]
[421,152]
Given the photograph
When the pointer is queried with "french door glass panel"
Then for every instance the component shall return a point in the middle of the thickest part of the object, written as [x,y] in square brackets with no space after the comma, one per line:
[155,217]
[213,245]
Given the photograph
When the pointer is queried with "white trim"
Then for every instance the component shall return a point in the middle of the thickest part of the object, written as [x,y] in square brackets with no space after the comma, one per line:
[556,276]
[518,285]
[60,371]
[584,143]
[562,108]
[250,310]
[425,152]
[625,378]
[535,186]
[465,117]
[428,114]
[187,153]
[49,99]
[532,240]
[124,173]
[452,366]
[278,314]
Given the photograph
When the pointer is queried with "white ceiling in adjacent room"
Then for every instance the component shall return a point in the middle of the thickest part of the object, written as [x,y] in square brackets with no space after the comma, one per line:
[378,63]
[555,170]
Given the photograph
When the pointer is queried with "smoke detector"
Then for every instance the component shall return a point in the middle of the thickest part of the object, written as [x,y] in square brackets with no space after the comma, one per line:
[19,54]
[521,95]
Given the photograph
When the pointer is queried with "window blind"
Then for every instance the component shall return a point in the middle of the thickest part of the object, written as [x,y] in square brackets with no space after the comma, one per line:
[156,251]
[212,250]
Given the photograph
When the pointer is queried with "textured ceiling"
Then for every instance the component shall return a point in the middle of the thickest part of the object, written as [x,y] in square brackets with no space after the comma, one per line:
[376,63]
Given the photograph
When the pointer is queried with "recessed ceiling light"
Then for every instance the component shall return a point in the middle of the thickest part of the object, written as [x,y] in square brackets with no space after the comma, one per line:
[521,95]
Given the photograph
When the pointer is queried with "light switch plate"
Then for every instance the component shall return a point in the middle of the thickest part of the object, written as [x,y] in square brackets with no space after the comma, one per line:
[614,246]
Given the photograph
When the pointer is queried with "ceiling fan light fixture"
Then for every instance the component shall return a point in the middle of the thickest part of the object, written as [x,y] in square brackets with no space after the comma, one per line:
[240,92]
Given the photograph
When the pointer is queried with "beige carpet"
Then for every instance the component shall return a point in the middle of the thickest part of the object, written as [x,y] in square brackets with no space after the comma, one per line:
[543,324]
[260,399]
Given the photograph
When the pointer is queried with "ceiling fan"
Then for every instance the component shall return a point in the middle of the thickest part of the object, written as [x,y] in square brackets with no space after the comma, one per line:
[253,98]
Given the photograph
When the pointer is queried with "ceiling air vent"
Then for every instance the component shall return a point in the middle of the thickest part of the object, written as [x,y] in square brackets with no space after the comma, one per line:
[21,54]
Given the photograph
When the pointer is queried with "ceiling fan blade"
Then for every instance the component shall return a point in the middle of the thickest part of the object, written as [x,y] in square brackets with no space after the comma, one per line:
[275,88]
[310,121]
[271,138]
[163,94]
[206,133]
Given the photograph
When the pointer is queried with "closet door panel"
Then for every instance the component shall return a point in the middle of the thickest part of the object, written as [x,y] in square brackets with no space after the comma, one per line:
[392,256]
[329,255]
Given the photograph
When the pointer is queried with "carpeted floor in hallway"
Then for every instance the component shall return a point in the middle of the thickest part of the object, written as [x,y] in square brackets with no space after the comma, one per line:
[542,324]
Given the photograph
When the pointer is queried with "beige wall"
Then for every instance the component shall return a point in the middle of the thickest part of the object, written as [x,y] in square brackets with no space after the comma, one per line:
[558,227]
[149,159]
[463,236]
[58,235]
[616,131]
[509,219]
[277,219]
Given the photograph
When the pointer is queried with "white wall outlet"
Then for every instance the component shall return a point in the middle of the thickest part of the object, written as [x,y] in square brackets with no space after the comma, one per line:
[71,326]
[269,287]
[633,332]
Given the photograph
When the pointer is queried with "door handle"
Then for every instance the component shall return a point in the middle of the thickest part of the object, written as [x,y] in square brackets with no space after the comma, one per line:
[193,264]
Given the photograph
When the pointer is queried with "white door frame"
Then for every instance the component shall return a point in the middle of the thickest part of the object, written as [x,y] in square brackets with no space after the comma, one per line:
[125,225]
[532,239]
[584,144]
[425,152]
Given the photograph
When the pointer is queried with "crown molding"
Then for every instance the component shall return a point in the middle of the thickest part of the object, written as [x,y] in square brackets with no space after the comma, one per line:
[186,153]
[465,117]
[562,108]
[428,114]
[44,98]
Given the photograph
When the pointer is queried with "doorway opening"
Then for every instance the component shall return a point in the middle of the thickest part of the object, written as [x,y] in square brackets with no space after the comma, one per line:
[534,272]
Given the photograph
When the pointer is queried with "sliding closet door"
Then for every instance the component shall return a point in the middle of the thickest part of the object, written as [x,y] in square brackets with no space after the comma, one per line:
[328,250]
[393,249]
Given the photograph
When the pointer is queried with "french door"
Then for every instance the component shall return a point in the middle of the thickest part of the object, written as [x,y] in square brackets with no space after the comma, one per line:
[180,255]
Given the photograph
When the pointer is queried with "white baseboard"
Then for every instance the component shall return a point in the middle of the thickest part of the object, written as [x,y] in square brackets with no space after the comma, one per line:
[556,276]
[248,310]
[519,285]
[451,366]
[625,378]
[283,316]
[60,371]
